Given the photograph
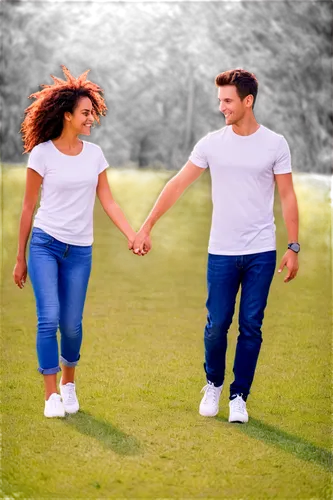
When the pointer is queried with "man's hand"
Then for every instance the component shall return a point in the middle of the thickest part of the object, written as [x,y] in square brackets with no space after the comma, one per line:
[290,260]
[142,242]
[20,273]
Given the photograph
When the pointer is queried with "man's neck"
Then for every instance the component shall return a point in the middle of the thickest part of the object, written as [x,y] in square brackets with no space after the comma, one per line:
[246,127]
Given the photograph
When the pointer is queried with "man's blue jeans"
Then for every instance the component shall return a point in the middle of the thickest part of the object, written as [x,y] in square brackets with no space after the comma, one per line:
[225,275]
[59,275]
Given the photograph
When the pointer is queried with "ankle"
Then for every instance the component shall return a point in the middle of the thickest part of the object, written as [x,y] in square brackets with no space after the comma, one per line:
[68,374]
[48,394]
[67,380]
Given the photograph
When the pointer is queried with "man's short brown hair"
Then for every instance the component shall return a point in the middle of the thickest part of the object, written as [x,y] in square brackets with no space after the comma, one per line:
[245,82]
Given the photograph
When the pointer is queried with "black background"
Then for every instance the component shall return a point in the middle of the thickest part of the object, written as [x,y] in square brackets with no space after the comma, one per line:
[157,61]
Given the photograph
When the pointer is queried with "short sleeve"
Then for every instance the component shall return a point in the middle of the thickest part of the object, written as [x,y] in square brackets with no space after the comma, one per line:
[198,155]
[282,163]
[36,161]
[103,164]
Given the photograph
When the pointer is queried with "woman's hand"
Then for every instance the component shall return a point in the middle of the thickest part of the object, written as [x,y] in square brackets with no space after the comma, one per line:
[20,272]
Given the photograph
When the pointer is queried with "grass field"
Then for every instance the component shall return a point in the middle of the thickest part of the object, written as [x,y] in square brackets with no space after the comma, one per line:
[139,434]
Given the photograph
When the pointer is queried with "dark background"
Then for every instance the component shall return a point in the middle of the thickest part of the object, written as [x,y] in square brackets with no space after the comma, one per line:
[157,63]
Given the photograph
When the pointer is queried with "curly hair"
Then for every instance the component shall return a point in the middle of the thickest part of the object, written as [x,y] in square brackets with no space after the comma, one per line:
[245,82]
[44,117]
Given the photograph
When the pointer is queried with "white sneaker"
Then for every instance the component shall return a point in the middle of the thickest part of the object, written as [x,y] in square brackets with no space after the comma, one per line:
[209,406]
[238,411]
[54,406]
[69,397]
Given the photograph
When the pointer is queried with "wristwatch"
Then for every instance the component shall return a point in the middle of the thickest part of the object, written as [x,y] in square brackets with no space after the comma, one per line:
[295,247]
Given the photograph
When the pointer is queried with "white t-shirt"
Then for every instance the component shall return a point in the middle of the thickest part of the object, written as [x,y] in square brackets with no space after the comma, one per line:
[68,191]
[242,171]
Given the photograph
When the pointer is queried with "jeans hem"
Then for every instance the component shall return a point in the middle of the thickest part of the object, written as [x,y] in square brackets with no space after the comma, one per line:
[69,363]
[213,380]
[241,393]
[216,384]
[49,371]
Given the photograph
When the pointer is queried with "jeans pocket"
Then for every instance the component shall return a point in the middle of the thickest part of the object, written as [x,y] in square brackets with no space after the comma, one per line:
[41,238]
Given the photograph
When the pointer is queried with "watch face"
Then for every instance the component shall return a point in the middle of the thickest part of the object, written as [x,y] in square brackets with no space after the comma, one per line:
[295,247]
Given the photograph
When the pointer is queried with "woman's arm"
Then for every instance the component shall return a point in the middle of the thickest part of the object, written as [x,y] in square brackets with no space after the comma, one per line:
[33,183]
[112,209]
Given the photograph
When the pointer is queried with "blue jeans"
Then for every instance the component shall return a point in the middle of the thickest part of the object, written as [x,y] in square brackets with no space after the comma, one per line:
[225,274]
[59,275]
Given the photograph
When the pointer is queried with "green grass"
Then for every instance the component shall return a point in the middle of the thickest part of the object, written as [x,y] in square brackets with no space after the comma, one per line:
[139,434]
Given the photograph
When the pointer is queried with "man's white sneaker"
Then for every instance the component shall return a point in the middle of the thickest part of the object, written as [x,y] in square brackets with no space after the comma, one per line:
[238,411]
[69,397]
[209,406]
[54,407]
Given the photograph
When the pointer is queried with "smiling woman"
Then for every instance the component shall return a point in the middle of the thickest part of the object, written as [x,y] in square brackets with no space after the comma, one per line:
[44,118]
[70,172]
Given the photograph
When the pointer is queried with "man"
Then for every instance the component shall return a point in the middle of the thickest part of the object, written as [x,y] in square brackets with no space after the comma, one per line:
[245,160]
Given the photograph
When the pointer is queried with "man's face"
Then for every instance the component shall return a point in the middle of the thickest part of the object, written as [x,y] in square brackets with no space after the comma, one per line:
[231,104]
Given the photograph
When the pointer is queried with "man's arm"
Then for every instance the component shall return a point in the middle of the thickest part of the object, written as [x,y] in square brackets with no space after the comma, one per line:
[288,199]
[168,197]
[289,206]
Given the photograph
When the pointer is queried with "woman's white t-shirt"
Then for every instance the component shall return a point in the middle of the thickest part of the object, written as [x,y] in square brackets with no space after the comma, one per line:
[68,191]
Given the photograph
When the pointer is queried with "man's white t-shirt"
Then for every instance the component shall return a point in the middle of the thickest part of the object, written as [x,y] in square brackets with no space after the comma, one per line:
[68,191]
[242,172]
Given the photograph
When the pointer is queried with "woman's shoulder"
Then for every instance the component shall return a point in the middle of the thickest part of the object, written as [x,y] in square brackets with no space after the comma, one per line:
[42,146]
[91,146]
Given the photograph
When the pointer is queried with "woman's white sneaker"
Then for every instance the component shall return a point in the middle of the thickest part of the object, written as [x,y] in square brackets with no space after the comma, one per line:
[69,397]
[209,406]
[54,407]
[238,413]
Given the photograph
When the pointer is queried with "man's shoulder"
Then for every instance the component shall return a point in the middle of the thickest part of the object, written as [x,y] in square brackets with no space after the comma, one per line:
[217,134]
[270,140]
[213,136]
[271,134]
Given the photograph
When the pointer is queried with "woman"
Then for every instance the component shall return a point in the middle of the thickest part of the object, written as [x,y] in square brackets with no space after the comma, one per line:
[71,172]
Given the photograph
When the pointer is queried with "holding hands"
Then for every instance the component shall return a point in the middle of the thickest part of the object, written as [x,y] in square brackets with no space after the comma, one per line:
[141,244]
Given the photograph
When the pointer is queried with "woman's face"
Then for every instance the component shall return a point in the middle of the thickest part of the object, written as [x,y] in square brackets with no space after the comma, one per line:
[81,119]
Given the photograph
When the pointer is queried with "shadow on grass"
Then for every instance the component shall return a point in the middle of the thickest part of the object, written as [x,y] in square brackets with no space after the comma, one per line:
[111,437]
[292,444]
